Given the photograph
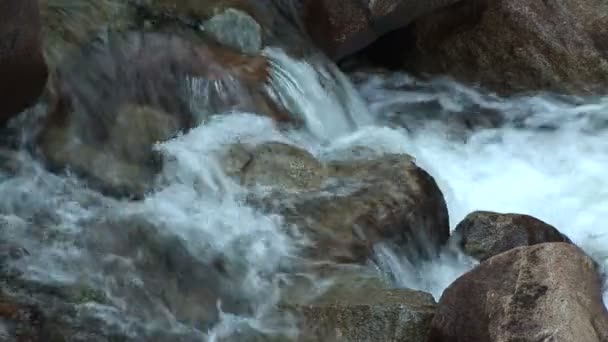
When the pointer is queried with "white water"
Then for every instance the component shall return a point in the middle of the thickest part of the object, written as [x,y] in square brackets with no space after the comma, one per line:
[553,175]
[556,175]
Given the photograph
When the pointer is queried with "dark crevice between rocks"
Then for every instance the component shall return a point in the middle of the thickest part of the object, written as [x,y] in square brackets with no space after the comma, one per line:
[396,49]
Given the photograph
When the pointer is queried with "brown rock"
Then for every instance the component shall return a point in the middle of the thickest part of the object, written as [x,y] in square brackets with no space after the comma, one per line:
[341,28]
[369,314]
[484,234]
[67,27]
[19,320]
[346,207]
[23,70]
[546,292]
[509,46]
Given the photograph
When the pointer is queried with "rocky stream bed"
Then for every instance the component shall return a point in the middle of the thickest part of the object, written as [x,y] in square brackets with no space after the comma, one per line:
[303,170]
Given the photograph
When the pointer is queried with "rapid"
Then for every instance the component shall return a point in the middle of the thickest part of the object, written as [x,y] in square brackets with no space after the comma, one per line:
[542,155]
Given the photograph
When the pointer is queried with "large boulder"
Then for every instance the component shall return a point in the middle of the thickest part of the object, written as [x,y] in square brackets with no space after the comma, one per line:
[346,207]
[508,46]
[23,71]
[342,28]
[546,292]
[484,234]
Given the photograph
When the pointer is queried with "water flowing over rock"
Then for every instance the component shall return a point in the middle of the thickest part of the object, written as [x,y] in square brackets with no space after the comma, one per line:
[346,207]
[23,72]
[128,91]
[509,46]
[201,170]
[549,291]
[483,235]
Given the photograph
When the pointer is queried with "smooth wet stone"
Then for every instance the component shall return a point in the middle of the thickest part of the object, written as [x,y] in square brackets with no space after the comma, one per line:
[346,207]
[235,29]
[484,234]
[545,292]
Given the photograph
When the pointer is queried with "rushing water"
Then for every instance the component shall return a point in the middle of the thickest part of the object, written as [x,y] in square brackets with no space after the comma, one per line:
[537,155]
[545,157]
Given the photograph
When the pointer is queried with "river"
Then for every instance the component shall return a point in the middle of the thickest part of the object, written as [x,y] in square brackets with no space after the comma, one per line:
[541,155]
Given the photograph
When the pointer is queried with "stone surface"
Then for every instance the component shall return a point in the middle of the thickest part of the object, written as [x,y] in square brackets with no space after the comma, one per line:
[67,27]
[369,314]
[128,269]
[126,92]
[342,28]
[545,292]
[347,207]
[483,234]
[508,46]
[236,29]
[351,303]
[338,28]
[23,71]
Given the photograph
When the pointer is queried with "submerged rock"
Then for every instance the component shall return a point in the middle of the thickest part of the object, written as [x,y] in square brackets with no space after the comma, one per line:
[68,26]
[345,207]
[338,28]
[23,71]
[483,234]
[508,46]
[125,92]
[550,291]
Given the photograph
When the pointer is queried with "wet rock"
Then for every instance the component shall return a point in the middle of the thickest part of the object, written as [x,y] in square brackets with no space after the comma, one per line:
[368,314]
[338,28]
[68,27]
[134,276]
[22,67]
[483,234]
[127,91]
[345,207]
[124,163]
[236,29]
[508,46]
[19,321]
[158,273]
[343,28]
[282,166]
[549,291]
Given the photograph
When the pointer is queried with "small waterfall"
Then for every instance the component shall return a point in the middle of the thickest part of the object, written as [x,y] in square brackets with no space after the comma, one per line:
[196,221]
[318,93]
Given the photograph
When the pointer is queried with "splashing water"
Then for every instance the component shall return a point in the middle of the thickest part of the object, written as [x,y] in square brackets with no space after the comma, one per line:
[546,159]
